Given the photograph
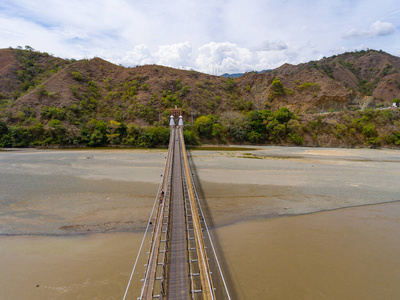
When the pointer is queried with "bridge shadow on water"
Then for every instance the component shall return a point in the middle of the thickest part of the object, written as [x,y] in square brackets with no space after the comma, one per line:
[217,244]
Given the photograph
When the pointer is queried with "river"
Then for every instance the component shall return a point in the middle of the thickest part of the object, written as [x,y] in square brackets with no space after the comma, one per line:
[291,223]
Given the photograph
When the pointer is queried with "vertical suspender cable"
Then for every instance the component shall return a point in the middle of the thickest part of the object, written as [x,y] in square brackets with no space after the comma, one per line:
[147,227]
[211,241]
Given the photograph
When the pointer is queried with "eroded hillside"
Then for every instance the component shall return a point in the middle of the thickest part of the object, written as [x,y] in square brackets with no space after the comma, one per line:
[356,80]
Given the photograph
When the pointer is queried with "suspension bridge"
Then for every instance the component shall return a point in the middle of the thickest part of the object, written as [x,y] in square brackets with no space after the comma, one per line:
[177,257]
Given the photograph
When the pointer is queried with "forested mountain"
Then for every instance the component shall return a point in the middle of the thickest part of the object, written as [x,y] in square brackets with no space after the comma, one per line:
[46,100]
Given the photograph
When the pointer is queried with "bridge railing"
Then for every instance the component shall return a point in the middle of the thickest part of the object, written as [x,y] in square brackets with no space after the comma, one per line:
[135,284]
[219,283]
[204,268]
[207,288]
[154,282]
[160,286]
[194,273]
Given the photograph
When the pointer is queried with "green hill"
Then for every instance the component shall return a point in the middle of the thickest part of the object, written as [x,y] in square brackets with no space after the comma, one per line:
[47,101]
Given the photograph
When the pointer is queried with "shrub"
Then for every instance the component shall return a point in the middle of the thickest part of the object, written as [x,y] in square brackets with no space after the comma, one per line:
[394,138]
[41,91]
[18,137]
[154,136]
[185,90]
[52,113]
[190,137]
[97,138]
[296,139]
[230,84]
[243,105]
[369,131]
[77,76]
[204,126]
[283,115]
[340,131]
[276,131]
[277,89]
[313,86]
[238,134]
[3,128]
[254,137]
[217,130]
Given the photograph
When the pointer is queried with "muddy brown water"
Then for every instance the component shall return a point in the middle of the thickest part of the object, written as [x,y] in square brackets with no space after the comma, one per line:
[343,254]
[291,223]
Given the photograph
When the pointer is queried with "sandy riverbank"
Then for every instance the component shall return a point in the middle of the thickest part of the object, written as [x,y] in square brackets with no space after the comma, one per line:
[81,191]
[278,181]
[71,221]
[74,192]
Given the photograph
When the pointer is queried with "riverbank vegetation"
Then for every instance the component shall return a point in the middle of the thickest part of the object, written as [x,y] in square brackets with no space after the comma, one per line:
[367,128]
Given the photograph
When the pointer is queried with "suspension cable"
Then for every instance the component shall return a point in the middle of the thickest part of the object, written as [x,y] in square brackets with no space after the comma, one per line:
[147,228]
[141,245]
[211,241]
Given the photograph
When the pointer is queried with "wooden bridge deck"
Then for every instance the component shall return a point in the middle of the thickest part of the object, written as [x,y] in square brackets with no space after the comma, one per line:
[178,280]
[178,269]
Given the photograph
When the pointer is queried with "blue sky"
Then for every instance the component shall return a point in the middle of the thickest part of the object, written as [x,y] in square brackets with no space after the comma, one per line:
[208,35]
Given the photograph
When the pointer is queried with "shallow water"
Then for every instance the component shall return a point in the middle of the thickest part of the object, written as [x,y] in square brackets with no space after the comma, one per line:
[63,215]
[95,266]
[350,253]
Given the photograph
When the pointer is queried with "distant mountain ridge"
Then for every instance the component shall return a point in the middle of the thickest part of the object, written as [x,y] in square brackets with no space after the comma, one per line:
[235,75]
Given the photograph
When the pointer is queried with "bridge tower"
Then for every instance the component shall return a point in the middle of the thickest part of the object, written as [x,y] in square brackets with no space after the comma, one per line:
[171,121]
[176,112]
[180,123]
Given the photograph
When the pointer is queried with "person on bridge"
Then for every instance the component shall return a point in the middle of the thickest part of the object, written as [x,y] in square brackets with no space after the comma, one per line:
[162,195]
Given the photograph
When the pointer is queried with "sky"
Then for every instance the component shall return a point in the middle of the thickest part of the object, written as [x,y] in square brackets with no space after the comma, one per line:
[210,36]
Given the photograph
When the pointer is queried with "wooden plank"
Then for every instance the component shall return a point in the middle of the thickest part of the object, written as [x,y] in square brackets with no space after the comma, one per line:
[178,283]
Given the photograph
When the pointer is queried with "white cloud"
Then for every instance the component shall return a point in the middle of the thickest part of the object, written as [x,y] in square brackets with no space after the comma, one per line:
[227,56]
[176,55]
[230,34]
[382,28]
[376,29]
[272,46]
[231,58]
[140,55]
